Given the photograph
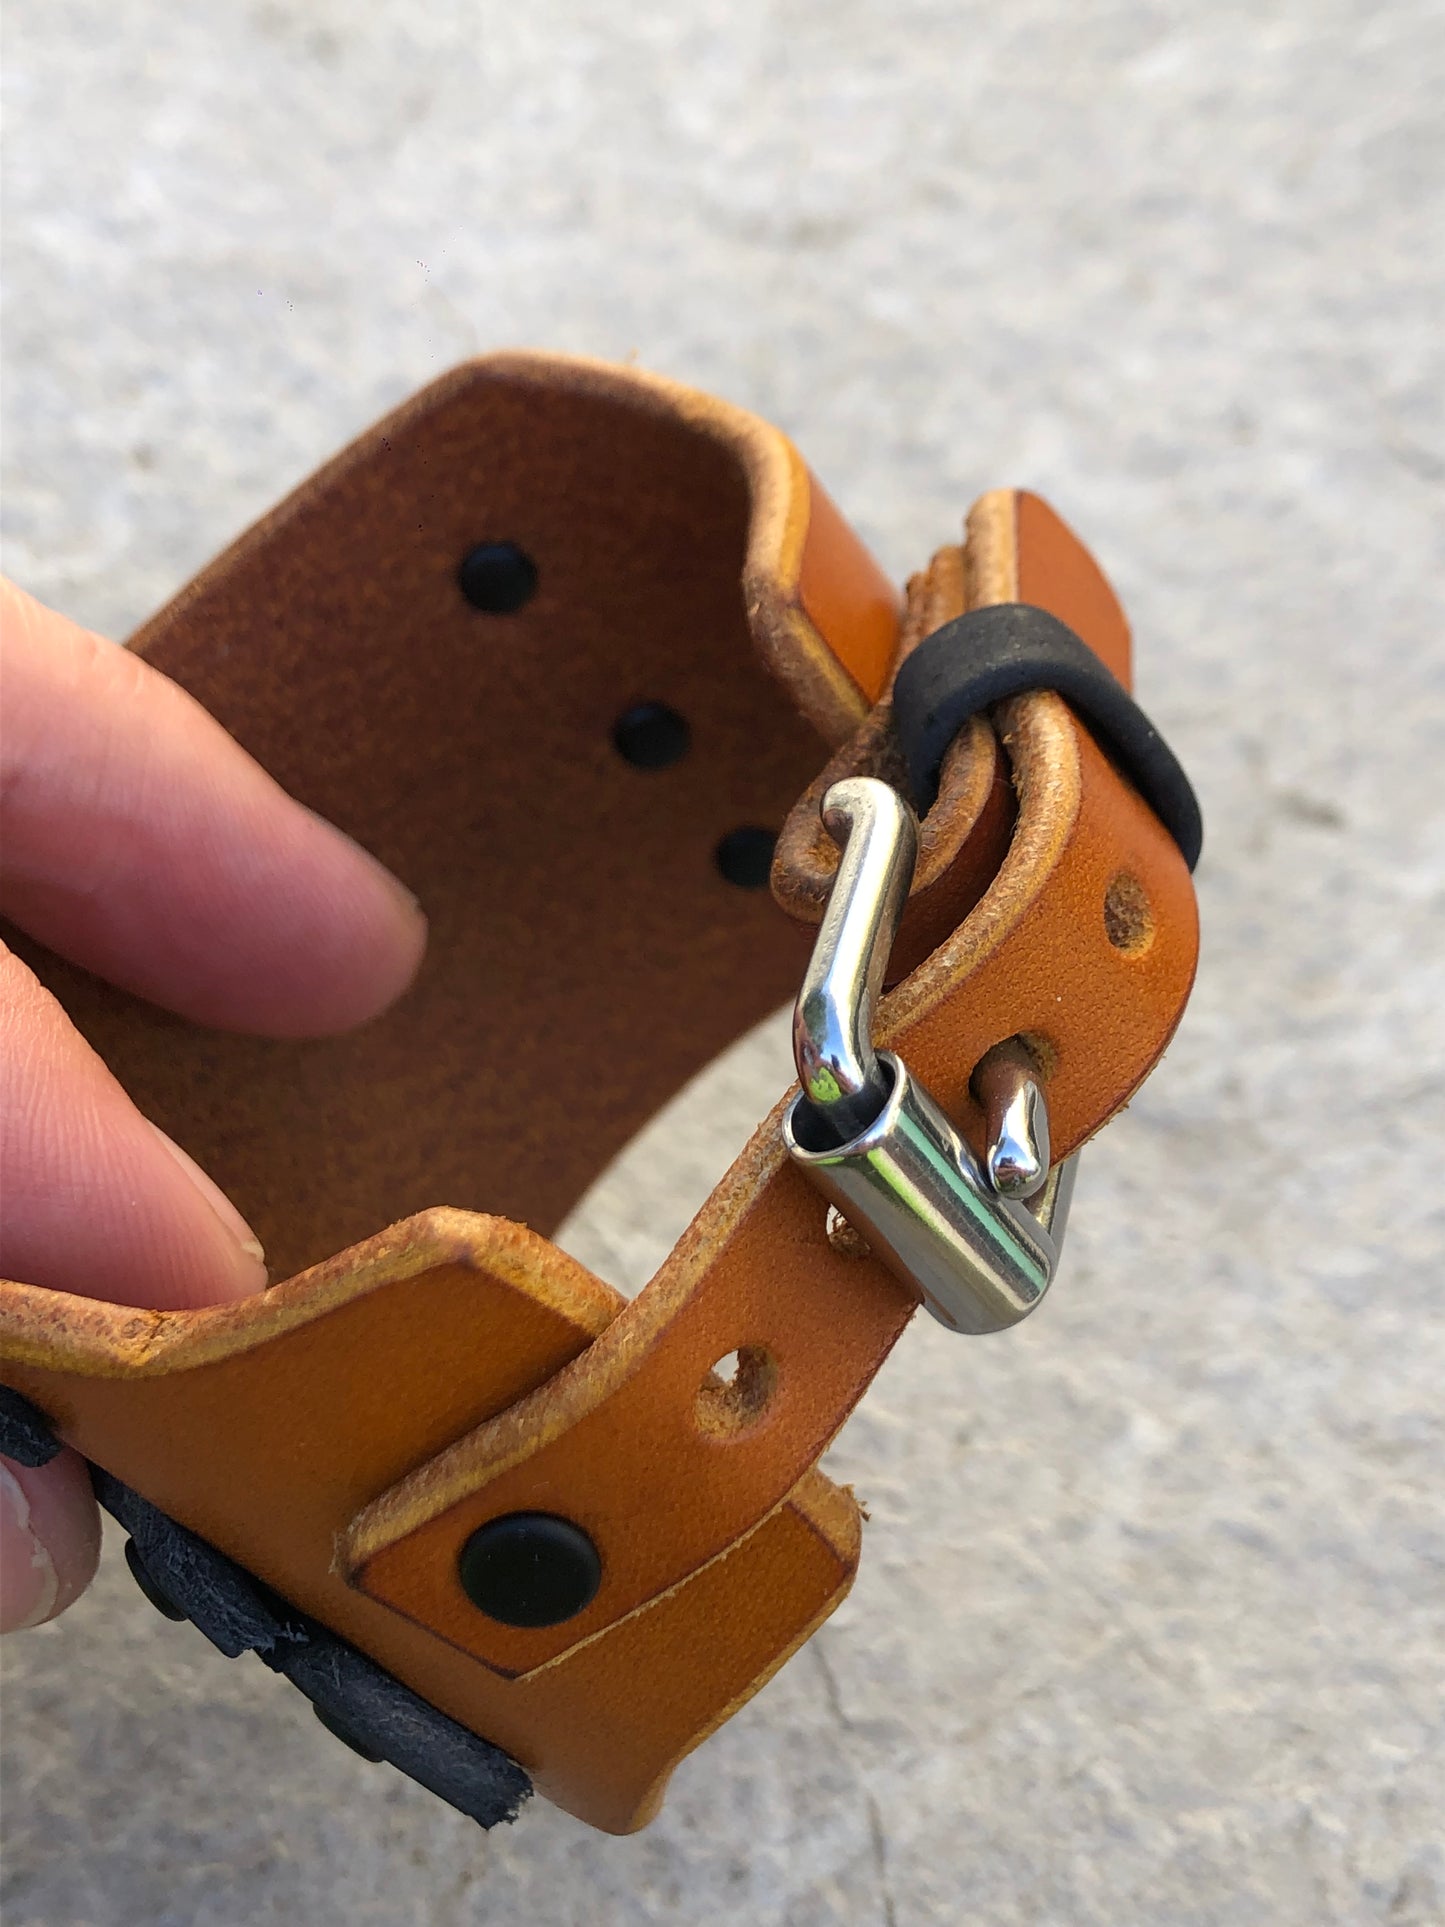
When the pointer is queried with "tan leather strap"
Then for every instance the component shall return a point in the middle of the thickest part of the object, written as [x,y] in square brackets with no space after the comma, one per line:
[342,1436]
[756,1271]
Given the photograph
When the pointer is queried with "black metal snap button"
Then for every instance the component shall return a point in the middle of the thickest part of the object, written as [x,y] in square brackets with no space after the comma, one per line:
[497,578]
[651,736]
[529,1569]
[745,856]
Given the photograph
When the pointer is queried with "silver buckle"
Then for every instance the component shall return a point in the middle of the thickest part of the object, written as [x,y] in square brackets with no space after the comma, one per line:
[872,1139]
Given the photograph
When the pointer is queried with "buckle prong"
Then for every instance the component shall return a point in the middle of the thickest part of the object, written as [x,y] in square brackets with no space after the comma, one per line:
[1006,1085]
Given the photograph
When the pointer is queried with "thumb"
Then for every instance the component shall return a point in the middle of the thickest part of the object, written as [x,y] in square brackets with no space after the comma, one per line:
[49,1539]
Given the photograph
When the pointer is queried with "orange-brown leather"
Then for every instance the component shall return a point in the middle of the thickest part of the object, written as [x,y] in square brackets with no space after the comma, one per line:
[1035,960]
[344,1434]
[1019,550]
[266,1425]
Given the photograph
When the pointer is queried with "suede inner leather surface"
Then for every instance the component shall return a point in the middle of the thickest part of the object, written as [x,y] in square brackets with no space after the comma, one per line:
[586,956]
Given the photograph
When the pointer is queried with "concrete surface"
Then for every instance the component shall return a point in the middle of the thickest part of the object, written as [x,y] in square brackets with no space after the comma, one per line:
[1149,1625]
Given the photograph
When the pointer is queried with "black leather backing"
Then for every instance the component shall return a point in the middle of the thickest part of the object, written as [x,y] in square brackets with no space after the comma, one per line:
[24,1435]
[362,1704]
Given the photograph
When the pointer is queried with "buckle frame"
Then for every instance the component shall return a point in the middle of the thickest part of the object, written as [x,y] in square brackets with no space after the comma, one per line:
[872,1138]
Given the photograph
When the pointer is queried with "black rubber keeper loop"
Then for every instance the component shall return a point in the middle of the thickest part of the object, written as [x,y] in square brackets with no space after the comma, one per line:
[989,654]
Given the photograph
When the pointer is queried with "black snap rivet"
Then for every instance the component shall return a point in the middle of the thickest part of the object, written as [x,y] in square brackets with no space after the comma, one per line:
[529,1569]
[162,1601]
[745,856]
[497,577]
[347,1738]
[650,735]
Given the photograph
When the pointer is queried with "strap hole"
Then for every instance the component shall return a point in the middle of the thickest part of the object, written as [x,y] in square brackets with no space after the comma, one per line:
[745,856]
[651,736]
[845,1238]
[736,1392]
[497,578]
[1039,1056]
[1128,915]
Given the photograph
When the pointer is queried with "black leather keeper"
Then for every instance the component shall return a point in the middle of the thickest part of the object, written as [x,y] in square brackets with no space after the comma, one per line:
[25,1434]
[990,654]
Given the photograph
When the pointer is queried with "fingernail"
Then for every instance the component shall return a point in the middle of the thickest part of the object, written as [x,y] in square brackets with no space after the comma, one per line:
[29,1583]
[216,1198]
[406,899]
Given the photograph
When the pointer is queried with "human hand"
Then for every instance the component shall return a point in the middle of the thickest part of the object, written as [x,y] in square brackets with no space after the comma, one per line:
[139,840]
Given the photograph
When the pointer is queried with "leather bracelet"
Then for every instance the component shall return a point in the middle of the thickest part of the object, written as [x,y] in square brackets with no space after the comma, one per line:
[564,645]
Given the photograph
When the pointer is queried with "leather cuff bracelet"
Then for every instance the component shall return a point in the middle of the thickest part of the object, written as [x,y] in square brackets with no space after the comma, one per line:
[564,645]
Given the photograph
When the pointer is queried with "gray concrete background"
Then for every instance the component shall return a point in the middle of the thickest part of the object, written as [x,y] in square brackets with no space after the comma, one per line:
[1149,1625]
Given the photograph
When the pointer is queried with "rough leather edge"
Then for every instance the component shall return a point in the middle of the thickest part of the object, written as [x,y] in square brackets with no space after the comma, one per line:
[59,1331]
[1049,748]
[962,839]
[837,1518]
[786,543]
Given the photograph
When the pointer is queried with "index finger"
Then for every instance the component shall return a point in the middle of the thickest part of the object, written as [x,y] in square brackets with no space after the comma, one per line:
[139,840]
